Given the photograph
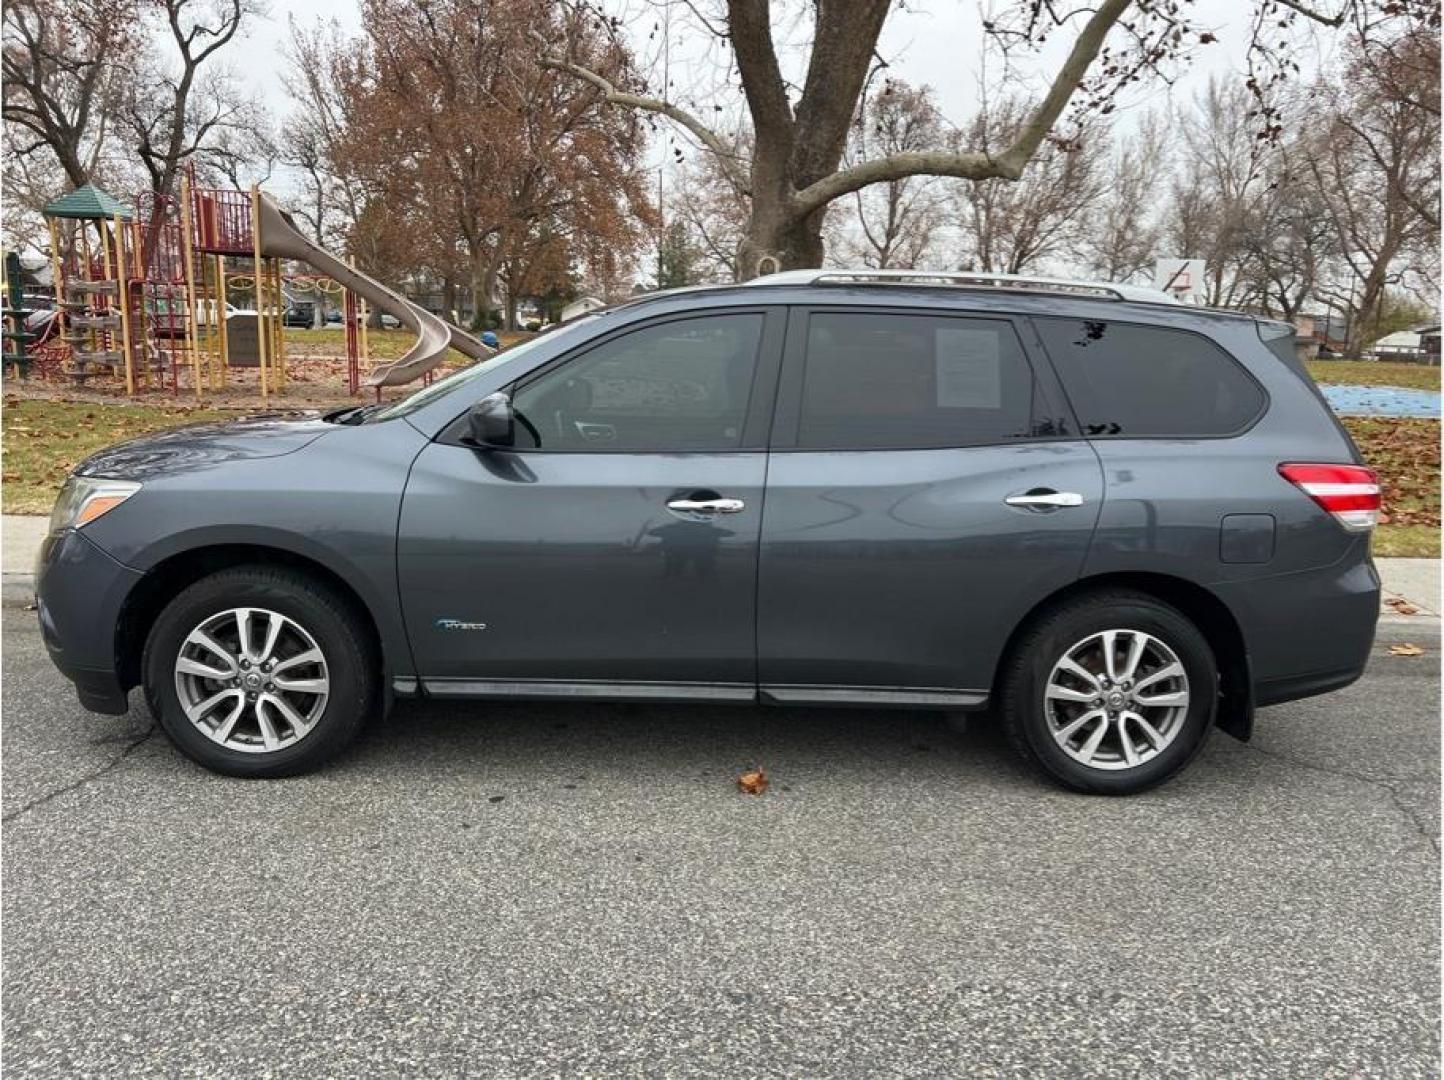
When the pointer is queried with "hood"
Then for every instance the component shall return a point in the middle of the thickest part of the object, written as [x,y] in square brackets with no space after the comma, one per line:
[200,446]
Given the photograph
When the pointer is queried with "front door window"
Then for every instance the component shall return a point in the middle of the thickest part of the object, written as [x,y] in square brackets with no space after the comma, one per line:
[676,386]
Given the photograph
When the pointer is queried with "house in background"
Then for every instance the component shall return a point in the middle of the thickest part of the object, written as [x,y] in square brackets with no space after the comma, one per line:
[1429,344]
[1418,346]
[580,306]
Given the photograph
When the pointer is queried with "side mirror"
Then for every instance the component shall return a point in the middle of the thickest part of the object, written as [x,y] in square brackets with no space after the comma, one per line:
[492,422]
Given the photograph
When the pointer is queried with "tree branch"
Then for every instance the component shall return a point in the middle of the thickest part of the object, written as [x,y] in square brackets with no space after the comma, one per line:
[1317,16]
[612,95]
[749,24]
[972,164]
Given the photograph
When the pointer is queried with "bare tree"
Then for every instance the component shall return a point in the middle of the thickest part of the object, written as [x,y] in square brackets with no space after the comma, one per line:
[242,151]
[1219,173]
[1120,237]
[64,65]
[1285,237]
[895,222]
[179,102]
[714,209]
[311,142]
[1378,175]
[1011,226]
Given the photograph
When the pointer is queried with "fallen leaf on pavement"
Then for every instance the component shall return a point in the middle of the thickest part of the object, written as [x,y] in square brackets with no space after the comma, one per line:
[1405,649]
[752,782]
[1400,605]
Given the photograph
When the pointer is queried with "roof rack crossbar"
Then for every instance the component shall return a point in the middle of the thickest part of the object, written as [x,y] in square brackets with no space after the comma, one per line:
[968,279]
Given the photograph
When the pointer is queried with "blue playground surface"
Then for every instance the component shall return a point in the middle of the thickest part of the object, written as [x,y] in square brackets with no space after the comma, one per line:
[1348,399]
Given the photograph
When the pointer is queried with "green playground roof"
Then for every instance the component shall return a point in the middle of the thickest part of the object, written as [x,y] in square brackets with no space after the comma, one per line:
[87,202]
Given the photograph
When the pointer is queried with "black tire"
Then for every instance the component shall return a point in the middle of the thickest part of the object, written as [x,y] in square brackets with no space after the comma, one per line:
[337,629]
[1030,663]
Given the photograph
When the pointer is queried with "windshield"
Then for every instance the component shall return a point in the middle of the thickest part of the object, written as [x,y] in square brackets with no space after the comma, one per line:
[457,379]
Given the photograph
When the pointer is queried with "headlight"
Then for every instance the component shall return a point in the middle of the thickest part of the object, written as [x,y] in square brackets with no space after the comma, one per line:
[85,498]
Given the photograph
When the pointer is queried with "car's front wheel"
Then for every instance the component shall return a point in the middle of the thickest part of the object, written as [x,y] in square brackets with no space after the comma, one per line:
[260,672]
[1111,693]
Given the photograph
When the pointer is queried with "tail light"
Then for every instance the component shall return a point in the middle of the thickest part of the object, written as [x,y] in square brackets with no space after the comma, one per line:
[1349,492]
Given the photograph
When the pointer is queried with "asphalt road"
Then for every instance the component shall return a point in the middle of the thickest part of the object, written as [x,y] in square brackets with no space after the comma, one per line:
[550,890]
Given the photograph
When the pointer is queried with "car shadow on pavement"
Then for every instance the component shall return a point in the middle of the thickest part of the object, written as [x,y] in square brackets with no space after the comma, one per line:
[631,741]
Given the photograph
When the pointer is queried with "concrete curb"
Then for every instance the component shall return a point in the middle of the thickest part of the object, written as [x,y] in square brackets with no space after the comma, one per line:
[17,590]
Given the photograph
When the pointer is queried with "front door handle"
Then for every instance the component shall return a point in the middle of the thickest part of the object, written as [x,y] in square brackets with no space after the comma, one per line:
[1045,499]
[707,506]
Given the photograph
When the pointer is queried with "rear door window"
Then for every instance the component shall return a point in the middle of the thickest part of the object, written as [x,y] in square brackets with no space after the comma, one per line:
[1126,379]
[902,381]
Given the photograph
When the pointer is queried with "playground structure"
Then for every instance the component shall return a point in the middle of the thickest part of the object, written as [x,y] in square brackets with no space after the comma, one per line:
[144,296]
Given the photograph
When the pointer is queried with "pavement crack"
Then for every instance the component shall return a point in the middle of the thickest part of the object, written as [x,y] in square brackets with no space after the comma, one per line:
[88,778]
[1384,783]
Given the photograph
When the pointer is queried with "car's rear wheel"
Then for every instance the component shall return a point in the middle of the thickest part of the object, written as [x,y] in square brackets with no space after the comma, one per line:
[1110,693]
[260,672]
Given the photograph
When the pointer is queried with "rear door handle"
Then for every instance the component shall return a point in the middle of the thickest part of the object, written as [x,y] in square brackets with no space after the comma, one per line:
[1045,499]
[707,506]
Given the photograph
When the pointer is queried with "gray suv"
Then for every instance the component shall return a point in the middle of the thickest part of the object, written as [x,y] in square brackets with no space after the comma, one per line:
[1110,520]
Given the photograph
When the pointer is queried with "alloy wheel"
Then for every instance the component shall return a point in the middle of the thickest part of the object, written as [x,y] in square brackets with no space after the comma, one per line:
[252,680]
[1116,699]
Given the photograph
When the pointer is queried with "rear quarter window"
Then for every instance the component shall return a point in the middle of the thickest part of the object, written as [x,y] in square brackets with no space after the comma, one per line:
[1126,379]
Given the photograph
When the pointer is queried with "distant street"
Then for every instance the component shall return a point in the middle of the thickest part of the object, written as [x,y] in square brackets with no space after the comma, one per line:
[554,890]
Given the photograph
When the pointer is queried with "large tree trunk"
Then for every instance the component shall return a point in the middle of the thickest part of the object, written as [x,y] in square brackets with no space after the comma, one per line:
[510,309]
[484,270]
[776,242]
[776,238]
[448,300]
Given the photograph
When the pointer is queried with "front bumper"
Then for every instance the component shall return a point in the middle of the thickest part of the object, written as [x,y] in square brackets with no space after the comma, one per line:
[79,594]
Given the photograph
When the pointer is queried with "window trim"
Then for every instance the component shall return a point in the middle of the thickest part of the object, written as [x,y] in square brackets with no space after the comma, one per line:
[1265,400]
[756,421]
[786,426]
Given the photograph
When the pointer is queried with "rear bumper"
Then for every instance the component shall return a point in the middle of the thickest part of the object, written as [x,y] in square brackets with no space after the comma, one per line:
[79,593]
[1307,633]
[1293,687]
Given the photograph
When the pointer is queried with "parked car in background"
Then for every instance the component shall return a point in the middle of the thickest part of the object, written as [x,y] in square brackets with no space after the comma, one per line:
[1109,520]
[300,315]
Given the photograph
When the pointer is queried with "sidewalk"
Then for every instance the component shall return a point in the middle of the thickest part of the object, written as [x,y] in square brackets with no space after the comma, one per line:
[1408,583]
[20,537]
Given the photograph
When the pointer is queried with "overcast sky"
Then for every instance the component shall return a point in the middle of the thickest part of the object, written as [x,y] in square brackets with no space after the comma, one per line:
[933,42]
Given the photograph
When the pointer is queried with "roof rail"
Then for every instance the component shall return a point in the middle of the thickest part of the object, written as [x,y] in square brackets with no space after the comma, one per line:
[1106,290]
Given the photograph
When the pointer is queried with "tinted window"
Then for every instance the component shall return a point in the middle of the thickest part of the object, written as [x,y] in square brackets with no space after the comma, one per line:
[917,381]
[1144,380]
[676,386]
